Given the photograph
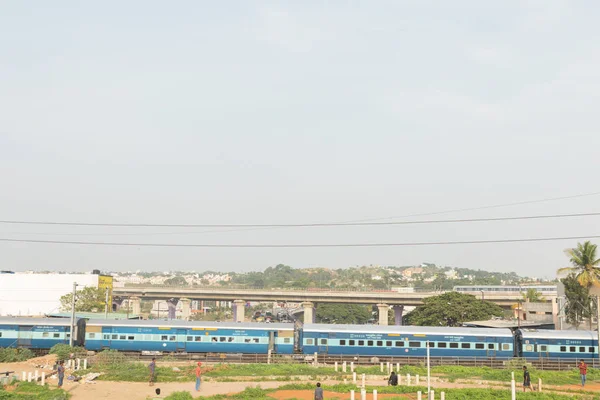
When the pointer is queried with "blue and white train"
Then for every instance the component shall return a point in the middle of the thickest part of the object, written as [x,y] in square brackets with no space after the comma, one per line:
[254,338]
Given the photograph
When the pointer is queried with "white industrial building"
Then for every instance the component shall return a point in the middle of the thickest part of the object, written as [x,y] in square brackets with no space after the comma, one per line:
[34,294]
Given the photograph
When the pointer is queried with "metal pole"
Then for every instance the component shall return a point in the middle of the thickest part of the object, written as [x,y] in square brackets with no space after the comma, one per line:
[73,314]
[428,371]
[598,320]
[106,305]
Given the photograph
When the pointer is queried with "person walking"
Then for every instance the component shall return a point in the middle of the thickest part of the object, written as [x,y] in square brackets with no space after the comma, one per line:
[526,379]
[393,380]
[152,371]
[319,392]
[582,372]
[198,376]
[61,373]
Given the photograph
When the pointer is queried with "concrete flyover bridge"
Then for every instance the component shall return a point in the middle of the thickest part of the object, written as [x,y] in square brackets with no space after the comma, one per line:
[382,298]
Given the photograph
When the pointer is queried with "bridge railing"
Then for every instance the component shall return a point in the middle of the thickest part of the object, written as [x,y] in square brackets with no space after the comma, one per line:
[279,289]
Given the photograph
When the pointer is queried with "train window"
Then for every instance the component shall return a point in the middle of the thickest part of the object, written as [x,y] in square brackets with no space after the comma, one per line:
[287,340]
[230,339]
[323,341]
[0,334]
[121,337]
[369,343]
[380,343]
[351,342]
[190,339]
[361,342]
[454,345]
[309,341]
[591,349]
[46,334]
[164,337]
[490,346]
[572,349]
[106,337]
[68,335]
[430,344]
[130,337]
[215,339]
[506,347]
[222,339]
[529,347]
[414,344]
[543,348]
[115,337]
[248,340]
[465,345]
[442,345]
[197,338]
[399,344]
[563,348]
[582,349]
[256,340]
[388,343]
[342,342]
[479,346]
[92,335]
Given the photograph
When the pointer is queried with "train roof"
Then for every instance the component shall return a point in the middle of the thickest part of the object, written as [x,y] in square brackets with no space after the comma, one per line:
[36,321]
[189,324]
[410,330]
[549,334]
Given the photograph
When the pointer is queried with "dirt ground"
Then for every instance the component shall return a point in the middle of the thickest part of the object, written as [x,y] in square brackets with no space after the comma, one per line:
[309,395]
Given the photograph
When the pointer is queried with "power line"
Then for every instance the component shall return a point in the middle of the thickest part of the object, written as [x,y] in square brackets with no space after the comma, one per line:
[547,239]
[310,225]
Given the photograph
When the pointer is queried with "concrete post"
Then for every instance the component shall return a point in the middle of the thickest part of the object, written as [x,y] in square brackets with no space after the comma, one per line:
[419,395]
[78,364]
[383,313]
[364,378]
[85,363]
[344,367]
[374,394]
[136,305]
[315,359]
[238,310]
[269,356]
[540,384]
[309,317]
[363,394]
[186,309]
[29,377]
[432,395]
[24,376]
[389,368]
[399,379]
[513,390]
[398,312]
[416,379]
[43,378]
[408,379]
[351,366]
[443,396]
[398,367]
[381,366]
[336,366]
[352,395]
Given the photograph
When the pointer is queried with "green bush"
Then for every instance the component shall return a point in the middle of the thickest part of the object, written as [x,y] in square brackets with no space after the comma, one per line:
[63,351]
[15,355]
[33,391]
[179,396]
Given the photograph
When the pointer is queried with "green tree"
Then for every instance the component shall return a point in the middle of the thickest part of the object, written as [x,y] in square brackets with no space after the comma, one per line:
[452,309]
[585,264]
[577,308]
[343,313]
[176,281]
[87,299]
[533,296]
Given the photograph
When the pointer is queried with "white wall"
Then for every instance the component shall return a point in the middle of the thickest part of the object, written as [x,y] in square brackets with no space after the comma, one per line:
[38,294]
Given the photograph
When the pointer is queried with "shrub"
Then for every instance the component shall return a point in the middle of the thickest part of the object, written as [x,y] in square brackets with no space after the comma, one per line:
[64,351]
[179,396]
[15,355]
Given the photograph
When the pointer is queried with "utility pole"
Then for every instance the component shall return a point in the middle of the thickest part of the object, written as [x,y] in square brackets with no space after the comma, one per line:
[106,305]
[598,320]
[73,314]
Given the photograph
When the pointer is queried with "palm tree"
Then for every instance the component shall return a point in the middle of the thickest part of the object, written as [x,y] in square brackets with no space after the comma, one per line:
[585,263]
[586,267]
[533,296]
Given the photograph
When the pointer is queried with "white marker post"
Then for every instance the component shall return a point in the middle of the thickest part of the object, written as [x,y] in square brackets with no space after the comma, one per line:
[336,366]
[85,363]
[442,396]
[363,380]
[417,379]
[36,375]
[351,366]
[374,394]
[513,389]
[352,395]
[432,395]
[24,376]
[419,395]
[381,367]
[540,384]
[43,378]
[344,369]
[398,367]
[363,394]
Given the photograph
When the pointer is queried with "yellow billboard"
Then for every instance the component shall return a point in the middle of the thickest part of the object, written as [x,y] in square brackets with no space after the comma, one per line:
[106,282]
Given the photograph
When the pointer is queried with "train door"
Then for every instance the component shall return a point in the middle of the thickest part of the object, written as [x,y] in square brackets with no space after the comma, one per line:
[323,343]
[181,333]
[106,335]
[272,342]
[25,336]
[492,347]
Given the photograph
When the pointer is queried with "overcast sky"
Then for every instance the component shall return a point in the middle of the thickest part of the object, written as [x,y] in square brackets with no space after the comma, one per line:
[292,112]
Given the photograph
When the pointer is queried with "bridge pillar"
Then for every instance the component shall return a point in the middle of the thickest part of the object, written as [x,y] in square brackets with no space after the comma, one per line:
[398,311]
[135,304]
[238,310]
[383,313]
[309,312]
[186,309]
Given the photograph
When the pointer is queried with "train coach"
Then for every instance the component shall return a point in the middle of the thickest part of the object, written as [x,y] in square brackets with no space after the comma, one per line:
[399,341]
[536,344]
[39,333]
[191,337]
